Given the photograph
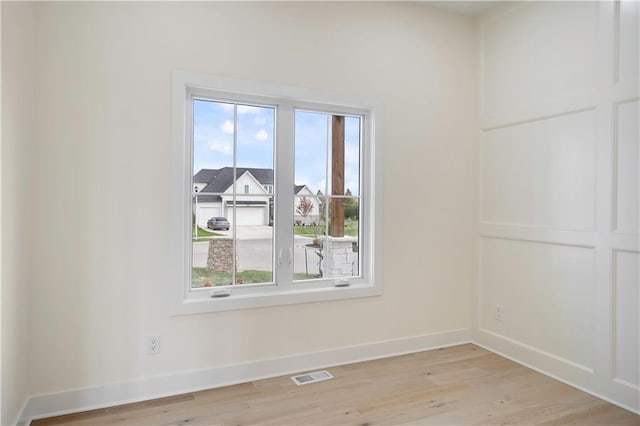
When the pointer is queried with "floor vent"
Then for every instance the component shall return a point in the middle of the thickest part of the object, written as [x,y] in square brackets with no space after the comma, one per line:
[316,376]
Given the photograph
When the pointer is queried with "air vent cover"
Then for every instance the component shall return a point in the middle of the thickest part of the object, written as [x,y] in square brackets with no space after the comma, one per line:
[316,376]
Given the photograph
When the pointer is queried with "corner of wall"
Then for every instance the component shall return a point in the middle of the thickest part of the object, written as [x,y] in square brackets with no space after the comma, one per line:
[18,55]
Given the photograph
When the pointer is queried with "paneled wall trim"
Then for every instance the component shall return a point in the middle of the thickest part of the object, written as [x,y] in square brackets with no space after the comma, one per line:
[625,167]
[558,191]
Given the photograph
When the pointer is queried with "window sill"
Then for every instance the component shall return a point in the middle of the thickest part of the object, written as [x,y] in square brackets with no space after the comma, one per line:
[200,305]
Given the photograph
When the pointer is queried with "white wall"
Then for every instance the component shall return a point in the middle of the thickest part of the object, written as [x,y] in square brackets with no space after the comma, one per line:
[84,265]
[103,134]
[557,199]
[18,113]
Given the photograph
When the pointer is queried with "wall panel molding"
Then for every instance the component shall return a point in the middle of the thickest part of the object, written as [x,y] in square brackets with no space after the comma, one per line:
[538,234]
[541,173]
[625,242]
[557,361]
[626,167]
[541,111]
[518,87]
[626,67]
[604,38]
[540,287]
[621,395]
[625,324]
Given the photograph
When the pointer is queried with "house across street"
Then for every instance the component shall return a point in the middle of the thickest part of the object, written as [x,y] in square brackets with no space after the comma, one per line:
[213,196]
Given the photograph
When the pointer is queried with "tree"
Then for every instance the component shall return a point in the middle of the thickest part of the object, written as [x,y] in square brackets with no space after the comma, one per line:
[305,208]
[351,206]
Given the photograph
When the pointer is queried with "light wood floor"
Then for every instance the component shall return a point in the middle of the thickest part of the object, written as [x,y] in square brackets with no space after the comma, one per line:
[461,385]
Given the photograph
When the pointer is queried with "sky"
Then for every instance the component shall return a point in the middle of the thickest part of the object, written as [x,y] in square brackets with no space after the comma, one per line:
[213,142]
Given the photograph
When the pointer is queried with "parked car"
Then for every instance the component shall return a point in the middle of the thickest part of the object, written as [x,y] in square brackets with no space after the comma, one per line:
[218,223]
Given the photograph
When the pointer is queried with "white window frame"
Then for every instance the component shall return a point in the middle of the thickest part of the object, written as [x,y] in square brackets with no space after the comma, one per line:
[185,300]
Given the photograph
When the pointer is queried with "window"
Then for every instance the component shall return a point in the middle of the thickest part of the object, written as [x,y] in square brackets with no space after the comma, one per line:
[275,196]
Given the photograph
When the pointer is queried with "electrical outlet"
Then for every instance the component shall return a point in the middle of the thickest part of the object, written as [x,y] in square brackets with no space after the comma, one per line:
[153,345]
[499,313]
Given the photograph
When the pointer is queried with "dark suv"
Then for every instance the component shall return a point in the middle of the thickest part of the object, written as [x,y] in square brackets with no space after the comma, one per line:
[218,223]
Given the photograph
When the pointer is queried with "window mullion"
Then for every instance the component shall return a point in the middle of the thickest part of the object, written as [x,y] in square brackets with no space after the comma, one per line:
[234,235]
[284,200]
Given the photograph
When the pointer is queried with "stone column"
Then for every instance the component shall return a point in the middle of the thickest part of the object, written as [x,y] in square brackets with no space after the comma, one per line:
[338,256]
[220,258]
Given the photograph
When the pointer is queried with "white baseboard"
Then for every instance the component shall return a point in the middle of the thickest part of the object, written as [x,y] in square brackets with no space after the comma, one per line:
[24,407]
[572,374]
[73,401]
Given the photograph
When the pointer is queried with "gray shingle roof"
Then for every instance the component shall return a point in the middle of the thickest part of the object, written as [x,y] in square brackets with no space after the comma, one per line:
[204,176]
[219,180]
[298,188]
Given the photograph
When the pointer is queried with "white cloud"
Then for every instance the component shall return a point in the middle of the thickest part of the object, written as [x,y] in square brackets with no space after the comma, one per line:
[262,135]
[220,146]
[227,127]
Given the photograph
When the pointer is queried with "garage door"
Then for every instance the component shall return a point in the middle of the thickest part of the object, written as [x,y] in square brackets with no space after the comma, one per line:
[206,213]
[250,215]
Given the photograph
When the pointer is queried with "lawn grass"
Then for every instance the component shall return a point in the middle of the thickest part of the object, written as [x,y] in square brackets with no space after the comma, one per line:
[308,230]
[204,234]
[350,229]
[202,277]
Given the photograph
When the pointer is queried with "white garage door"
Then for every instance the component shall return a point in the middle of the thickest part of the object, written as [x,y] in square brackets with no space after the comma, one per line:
[250,215]
[206,213]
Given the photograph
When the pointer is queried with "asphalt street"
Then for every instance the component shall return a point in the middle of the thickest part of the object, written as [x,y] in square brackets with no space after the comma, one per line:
[256,251]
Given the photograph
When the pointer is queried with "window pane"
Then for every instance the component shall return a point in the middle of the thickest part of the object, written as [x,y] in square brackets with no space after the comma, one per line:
[213,130]
[327,152]
[232,210]
[311,151]
[253,202]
